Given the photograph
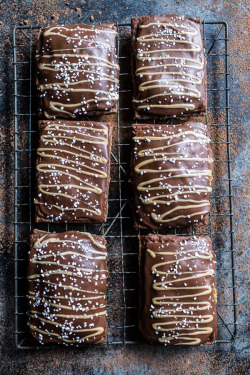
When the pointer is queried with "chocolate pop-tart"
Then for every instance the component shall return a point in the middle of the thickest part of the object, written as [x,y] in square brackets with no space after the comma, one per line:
[168,66]
[67,275]
[73,171]
[178,295]
[77,71]
[171,174]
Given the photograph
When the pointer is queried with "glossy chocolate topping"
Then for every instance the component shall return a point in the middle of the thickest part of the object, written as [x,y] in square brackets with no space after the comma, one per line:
[67,277]
[77,70]
[171,173]
[168,66]
[177,290]
[73,168]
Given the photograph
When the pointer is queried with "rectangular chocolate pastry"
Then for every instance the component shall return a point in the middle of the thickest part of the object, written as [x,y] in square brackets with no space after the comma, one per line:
[171,172]
[67,275]
[177,290]
[77,72]
[168,66]
[73,171]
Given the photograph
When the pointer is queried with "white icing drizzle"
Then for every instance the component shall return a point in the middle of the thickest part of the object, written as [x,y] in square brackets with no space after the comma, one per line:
[182,192]
[155,50]
[73,309]
[184,321]
[74,166]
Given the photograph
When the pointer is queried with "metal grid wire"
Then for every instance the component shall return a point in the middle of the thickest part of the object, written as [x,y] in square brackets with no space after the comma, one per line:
[122,242]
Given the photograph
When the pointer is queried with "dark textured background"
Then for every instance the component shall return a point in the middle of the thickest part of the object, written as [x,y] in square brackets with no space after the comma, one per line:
[141,359]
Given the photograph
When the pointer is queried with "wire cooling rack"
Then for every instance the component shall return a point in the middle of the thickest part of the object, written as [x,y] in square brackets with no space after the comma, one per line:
[121,238]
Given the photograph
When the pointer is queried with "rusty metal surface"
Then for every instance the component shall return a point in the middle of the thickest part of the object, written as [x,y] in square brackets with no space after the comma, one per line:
[139,359]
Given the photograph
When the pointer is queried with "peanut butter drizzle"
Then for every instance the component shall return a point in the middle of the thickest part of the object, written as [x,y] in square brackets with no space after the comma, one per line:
[190,30]
[96,331]
[77,29]
[58,107]
[182,63]
[101,60]
[57,318]
[177,135]
[192,292]
[73,61]
[69,66]
[169,83]
[161,183]
[69,165]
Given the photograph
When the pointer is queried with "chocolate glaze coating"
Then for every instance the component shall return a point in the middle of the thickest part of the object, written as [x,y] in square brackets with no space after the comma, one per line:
[67,275]
[168,66]
[177,290]
[73,171]
[171,172]
[77,70]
